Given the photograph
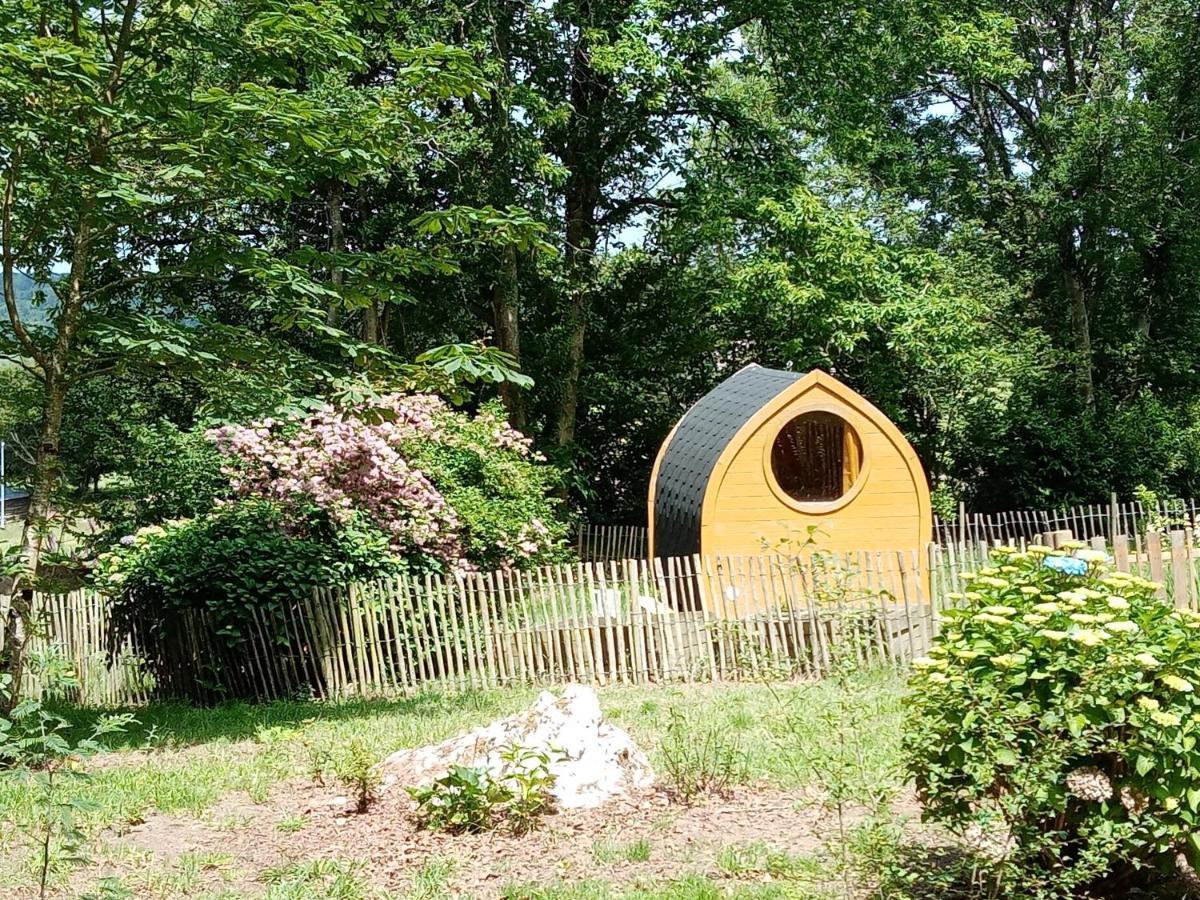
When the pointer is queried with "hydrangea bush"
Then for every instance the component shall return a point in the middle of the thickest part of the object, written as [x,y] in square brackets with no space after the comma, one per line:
[1055,723]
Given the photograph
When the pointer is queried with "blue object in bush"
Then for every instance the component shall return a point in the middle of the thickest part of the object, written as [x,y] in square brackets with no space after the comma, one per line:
[1068,565]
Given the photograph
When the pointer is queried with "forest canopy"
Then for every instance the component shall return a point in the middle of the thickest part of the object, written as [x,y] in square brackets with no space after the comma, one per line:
[976,214]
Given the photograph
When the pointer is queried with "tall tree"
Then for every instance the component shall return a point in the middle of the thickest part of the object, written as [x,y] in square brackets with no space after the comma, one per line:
[136,139]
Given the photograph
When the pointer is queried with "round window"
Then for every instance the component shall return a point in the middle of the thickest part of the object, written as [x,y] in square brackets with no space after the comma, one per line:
[816,457]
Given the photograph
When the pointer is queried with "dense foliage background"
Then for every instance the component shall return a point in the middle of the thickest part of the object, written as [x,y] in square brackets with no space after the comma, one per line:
[975,213]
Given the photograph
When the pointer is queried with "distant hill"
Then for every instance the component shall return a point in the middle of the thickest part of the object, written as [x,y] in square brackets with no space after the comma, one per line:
[26,289]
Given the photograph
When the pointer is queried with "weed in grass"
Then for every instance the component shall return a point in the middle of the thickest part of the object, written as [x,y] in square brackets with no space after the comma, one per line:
[259,789]
[319,760]
[845,773]
[234,822]
[758,859]
[35,744]
[356,770]
[689,887]
[322,879]
[109,888]
[187,874]
[291,824]
[612,851]
[699,760]
[432,880]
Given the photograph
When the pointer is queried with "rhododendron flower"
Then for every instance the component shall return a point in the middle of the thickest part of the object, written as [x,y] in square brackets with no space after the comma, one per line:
[347,461]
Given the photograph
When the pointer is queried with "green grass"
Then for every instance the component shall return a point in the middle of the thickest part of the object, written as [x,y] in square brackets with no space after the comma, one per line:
[243,747]
[181,759]
[614,851]
[690,887]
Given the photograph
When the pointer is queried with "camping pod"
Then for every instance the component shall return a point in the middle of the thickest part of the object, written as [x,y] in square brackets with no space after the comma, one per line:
[771,461]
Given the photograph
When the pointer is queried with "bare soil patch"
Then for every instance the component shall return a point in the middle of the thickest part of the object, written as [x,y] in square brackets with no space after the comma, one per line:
[573,845]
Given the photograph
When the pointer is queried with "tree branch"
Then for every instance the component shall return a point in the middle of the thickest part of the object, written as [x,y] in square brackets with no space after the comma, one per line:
[1023,112]
[10,292]
[629,204]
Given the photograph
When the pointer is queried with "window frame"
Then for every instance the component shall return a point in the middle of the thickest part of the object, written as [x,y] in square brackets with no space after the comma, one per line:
[814,507]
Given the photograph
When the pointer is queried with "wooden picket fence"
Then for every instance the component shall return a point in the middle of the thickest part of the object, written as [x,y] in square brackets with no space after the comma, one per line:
[70,656]
[630,621]
[600,543]
[682,620]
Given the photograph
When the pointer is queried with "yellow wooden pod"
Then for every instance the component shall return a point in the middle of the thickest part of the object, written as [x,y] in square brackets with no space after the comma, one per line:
[772,461]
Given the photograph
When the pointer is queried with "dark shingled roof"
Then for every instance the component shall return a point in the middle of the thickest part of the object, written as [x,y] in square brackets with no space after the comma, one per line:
[688,462]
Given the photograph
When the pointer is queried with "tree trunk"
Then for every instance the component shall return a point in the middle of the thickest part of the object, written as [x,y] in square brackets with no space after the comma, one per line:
[505,314]
[582,158]
[371,332]
[337,244]
[19,621]
[1073,287]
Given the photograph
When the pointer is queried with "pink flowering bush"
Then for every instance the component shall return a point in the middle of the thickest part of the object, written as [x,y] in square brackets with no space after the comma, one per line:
[403,483]
[445,488]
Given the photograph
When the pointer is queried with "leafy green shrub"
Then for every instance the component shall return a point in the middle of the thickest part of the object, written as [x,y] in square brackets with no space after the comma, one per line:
[167,474]
[470,799]
[37,749]
[699,762]
[1055,723]
[238,566]
[465,799]
[356,770]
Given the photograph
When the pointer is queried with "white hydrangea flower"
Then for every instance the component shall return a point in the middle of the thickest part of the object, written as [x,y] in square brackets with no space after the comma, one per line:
[1089,784]
[1177,683]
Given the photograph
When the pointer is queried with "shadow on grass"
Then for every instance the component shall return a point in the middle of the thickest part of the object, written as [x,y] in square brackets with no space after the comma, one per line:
[180,724]
[950,872]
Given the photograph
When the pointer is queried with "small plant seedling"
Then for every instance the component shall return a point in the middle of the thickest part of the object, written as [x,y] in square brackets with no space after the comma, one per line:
[528,779]
[634,851]
[36,749]
[432,879]
[698,763]
[291,824]
[470,799]
[356,770]
[465,799]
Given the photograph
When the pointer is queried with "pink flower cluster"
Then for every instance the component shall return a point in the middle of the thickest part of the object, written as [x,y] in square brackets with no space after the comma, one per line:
[507,437]
[347,461]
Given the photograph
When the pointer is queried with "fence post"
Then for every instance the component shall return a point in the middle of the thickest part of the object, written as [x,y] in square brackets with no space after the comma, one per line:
[1121,552]
[1181,575]
[1155,559]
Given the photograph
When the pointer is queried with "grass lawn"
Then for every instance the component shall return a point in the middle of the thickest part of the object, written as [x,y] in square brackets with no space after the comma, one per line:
[225,803]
